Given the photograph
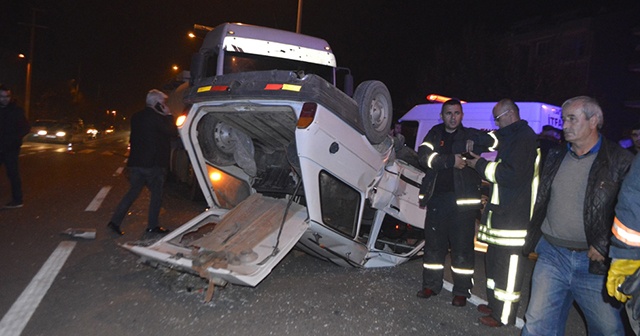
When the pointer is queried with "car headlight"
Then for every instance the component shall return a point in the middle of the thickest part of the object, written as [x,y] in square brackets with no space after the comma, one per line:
[60,134]
[42,132]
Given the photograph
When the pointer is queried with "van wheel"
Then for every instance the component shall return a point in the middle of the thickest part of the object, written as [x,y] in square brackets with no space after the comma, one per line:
[374,106]
[215,141]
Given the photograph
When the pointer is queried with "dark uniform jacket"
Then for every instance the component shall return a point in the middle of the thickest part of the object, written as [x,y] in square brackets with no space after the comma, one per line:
[605,177]
[466,182]
[151,135]
[13,127]
[511,174]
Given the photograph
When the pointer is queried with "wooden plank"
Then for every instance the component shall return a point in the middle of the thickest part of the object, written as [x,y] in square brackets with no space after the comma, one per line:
[240,230]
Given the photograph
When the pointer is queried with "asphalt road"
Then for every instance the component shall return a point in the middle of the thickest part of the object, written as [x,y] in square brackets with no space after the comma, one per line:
[102,289]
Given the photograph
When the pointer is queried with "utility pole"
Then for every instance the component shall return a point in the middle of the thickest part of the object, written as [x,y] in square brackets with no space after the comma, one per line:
[27,94]
[299,18]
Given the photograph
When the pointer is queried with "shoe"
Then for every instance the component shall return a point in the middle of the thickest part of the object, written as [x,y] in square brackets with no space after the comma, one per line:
[425,293]
[459,301]
[489,321]
[115,228]
[13,205]
[158,229]
[485,309]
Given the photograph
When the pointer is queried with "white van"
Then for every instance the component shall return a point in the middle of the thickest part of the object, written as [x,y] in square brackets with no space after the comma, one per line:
[478,115]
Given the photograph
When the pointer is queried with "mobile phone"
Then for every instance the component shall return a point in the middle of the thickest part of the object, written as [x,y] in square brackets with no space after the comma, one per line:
[467,155]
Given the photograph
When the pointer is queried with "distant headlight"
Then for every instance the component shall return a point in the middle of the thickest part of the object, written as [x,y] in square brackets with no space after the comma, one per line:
[60,134]
[42,132]
[109,130]
[92,131]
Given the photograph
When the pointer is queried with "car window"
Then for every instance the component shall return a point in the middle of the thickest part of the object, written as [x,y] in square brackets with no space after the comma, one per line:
[340,204]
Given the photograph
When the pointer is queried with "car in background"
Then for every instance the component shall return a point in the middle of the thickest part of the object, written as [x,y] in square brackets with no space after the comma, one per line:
[109,130]
[92,132]
[57,131]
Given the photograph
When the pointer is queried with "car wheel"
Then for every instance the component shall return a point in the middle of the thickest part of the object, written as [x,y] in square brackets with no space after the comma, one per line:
[374,106]
[214,136]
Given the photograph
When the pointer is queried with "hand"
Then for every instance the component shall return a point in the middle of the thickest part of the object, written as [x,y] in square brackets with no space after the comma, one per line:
[472,162]
[460,161]
[619,270]
[594,255]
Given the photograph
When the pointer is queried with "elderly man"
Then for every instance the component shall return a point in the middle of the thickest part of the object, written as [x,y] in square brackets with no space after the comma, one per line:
[571,226]
[151,133]
[506,215]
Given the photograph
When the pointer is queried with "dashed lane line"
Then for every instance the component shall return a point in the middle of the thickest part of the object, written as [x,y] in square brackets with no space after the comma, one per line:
[118,171]
[21,311]
[97,201]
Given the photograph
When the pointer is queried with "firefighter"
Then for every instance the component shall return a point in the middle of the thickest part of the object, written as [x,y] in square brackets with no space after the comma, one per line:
[506,215]
[451,192]
[625,246]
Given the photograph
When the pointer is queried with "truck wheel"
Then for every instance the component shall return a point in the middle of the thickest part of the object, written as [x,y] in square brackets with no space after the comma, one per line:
[374,105]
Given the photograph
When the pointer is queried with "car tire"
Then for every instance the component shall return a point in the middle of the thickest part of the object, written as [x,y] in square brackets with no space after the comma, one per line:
[375,108]
[211,135]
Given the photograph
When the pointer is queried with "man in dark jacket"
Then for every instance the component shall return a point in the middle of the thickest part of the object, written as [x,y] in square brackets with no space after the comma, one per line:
[13,127]
[506,216]
[451,192]
[571,226]
[151,132]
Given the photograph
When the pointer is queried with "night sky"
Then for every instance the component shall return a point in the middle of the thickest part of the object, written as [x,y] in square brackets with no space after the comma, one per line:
[117,50]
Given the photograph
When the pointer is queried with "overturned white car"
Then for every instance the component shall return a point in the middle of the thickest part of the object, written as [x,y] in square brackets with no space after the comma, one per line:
[286,159]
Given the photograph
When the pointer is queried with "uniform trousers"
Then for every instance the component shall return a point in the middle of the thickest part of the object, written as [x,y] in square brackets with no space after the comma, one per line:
[446,227]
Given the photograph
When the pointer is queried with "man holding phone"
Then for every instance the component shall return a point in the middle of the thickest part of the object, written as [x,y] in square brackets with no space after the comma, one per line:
[451,192]
[151,132]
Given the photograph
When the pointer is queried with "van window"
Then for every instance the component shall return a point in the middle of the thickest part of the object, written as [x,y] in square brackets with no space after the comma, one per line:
[410,132]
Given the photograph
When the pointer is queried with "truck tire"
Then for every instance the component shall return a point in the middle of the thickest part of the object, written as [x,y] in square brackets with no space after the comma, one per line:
[374,106]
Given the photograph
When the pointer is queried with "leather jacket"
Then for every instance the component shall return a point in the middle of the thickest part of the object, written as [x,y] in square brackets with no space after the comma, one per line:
[605,177]
[466,181]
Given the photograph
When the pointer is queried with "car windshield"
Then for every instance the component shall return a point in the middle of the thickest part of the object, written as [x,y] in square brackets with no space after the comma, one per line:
[242,62]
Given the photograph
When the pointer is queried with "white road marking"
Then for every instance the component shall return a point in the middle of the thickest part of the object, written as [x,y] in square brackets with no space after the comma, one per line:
[21,311]
[95,204]
[118,171]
